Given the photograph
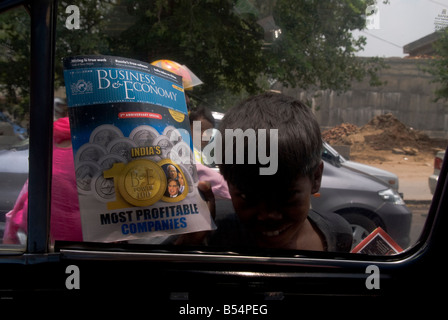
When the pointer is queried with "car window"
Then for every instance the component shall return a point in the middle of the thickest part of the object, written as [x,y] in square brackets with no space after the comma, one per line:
[366,69]
[14,123]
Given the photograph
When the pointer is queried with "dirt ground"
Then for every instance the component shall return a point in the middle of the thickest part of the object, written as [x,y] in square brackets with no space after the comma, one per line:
[404,166]
[388,144]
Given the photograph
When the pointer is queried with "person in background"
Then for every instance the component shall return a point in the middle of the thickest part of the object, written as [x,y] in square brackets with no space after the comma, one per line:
[65,222]
[207,122]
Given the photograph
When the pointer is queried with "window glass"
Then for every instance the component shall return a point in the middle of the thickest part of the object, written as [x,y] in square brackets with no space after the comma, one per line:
[14,125]
[370,72]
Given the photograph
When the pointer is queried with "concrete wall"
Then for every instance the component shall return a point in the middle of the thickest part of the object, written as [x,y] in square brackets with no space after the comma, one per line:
[408,94]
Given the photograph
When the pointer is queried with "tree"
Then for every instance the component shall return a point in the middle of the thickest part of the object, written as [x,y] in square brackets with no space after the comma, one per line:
[235,46]
[438,67]
[15,48]
[14,62]
[316,47]
[221,47]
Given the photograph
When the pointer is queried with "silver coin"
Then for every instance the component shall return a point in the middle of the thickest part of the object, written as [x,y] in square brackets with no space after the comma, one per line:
[165,145]
[90,152]
[85,171]
[181,153]
[103,188]
[106,162]
[144,135]
[173,134]
[104,134]
[122,147]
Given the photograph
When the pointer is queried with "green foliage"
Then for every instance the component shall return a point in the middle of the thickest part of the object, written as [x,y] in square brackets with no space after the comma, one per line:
[316,47]
[234,46]
[221,47]
[231,45]
[14,61]
[15,48]
[439,66]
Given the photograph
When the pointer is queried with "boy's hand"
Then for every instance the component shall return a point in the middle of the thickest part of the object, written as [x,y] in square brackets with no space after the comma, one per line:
[196,238]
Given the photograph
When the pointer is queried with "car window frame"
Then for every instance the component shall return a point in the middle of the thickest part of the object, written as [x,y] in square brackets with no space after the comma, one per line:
[38,250]
[41,123]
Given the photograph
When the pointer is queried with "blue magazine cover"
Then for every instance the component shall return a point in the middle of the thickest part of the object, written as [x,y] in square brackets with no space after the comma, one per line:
[132,147]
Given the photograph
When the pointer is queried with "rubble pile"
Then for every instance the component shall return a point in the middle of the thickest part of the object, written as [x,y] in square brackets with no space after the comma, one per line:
[340,135]
[384,132]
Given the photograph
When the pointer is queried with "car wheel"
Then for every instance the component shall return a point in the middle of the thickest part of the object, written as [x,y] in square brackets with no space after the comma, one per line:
[361,225]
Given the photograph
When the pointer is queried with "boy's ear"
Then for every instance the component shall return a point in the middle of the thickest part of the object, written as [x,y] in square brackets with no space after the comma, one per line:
[317,178]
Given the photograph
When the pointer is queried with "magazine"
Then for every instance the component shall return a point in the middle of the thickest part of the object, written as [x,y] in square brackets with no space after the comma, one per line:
[132,147]
[378,243]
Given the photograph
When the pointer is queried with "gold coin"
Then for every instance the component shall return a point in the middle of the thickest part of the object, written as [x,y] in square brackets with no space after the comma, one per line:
[177,186]
[142,183]
[178,116]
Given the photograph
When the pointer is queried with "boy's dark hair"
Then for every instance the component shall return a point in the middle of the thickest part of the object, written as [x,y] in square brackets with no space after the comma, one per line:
[201,112]
[299,138]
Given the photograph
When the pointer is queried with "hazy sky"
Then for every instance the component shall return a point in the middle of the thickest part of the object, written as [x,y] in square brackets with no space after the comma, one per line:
[401,22]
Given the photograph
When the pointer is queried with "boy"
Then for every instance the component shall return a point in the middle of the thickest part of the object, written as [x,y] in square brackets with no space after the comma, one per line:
[273,211]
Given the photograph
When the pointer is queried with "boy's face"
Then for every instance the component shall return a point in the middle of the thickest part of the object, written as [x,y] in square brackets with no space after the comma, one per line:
[275,214]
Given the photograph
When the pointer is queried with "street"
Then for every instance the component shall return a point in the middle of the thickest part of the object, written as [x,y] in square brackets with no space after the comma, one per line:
[419,211]
[413,176]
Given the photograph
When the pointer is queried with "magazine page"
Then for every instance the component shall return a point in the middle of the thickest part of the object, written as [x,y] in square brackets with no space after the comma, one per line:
[132,147]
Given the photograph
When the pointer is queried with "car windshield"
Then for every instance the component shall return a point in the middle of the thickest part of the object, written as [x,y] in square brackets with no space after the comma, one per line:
[370,72]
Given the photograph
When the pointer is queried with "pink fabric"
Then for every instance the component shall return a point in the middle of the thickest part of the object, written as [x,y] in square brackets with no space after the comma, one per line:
[65,223]
[219,185]
[61,130]
[16,218]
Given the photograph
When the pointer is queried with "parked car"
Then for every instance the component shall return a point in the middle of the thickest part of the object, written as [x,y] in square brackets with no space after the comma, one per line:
[359,194]
[334,157]
[19,131]
[365,201]
[13,174]
[432,179]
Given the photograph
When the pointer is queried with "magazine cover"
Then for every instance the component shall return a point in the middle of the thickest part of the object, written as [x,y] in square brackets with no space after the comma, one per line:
[378,243]
[132,148]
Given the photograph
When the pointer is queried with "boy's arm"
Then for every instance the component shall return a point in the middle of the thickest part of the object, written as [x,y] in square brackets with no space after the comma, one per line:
[196,238]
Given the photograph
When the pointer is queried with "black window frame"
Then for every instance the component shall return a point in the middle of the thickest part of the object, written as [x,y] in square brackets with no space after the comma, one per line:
[189,274]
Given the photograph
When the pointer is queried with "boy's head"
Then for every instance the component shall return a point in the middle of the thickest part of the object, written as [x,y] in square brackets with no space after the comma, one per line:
[299,141]
[279,203]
